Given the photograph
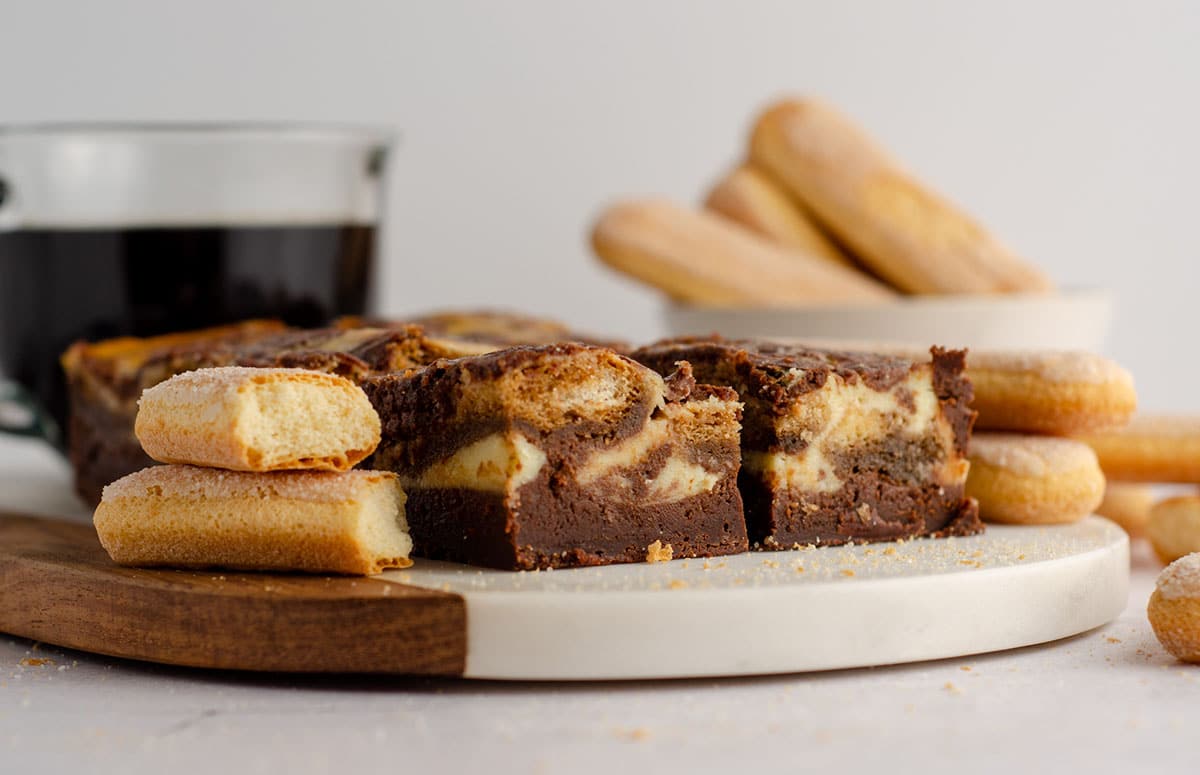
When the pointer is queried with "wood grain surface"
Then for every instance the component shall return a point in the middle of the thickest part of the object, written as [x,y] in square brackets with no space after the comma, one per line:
[57,585]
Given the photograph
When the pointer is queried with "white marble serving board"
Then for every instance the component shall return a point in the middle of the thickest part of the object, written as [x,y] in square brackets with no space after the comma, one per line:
[748,614]
[790,611]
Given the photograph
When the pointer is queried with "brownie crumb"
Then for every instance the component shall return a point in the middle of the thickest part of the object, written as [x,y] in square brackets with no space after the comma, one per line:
[36,662]
[680,383]
[657,552]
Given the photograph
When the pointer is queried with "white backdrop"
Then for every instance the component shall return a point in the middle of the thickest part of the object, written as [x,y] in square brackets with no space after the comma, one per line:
[1071,128]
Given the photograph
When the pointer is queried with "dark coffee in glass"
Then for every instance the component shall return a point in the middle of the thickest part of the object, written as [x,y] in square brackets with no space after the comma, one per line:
[182,228]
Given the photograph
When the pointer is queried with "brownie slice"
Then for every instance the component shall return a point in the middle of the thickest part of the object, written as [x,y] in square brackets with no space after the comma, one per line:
[561,455]
[841,447]
[105,380]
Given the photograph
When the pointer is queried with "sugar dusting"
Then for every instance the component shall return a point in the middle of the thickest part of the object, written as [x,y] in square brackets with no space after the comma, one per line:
[1030,455]
[181,481]
[1053,366]
[232,377]
[1181,578]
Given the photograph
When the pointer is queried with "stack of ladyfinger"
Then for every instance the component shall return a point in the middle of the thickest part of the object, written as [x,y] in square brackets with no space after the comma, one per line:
[1150,450]
[816,213]
[1015,477]
[258,478]
[1153,450]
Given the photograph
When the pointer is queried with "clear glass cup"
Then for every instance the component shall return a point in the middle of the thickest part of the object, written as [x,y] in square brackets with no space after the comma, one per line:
[114,230]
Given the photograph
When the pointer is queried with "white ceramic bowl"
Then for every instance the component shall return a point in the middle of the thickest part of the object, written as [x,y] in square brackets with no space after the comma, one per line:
[1071,320]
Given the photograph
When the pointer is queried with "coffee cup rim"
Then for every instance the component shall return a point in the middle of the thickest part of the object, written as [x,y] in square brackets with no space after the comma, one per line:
[237,129]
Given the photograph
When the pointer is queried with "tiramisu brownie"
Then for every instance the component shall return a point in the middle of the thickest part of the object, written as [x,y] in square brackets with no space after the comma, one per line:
[561,455]
[841,447]
[106,379]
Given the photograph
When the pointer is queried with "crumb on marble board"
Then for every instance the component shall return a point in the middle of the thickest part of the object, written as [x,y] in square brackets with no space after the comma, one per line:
[657,552]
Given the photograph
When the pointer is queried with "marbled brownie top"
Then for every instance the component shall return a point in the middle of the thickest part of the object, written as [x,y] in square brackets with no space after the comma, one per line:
[774,375]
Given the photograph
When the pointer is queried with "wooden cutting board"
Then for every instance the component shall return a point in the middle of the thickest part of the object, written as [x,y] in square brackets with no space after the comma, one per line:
[58,585]
[755,613]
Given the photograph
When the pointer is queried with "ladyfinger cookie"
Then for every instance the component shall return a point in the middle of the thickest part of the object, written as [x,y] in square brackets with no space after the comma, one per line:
[1174,608]
[1127,504]
[1033,480]
[748,196]
[250,419]
[322,522]
[1174,527]
[905,233]
[1151,448]
[700,257]
[1057,393]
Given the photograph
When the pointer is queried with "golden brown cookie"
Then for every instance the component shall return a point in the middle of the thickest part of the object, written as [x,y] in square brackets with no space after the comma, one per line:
[1033,480]
[1174,608]
[1174,527]
[1128,505]
[750,197]
[249,419]
[703,258]
[322,522]
[1057,393]
[902,231]
[1151,448]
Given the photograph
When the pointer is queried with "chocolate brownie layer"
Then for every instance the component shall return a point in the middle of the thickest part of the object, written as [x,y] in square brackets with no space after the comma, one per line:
[876,509]
[561,455]
[557,529]
[840,446]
